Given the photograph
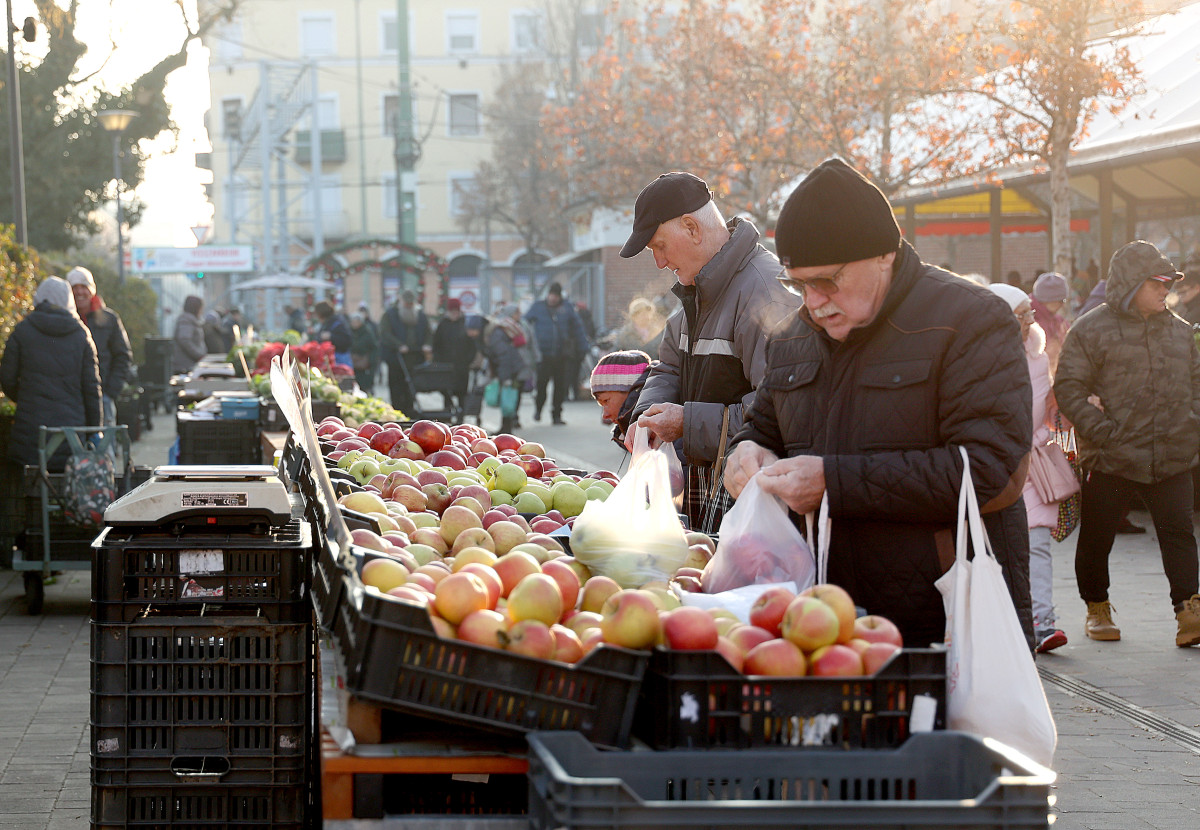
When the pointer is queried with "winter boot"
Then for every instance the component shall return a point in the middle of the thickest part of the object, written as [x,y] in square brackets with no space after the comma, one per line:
[1188,616]
[1099,625]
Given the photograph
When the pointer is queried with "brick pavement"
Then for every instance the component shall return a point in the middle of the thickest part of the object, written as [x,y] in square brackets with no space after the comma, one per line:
[1129,728]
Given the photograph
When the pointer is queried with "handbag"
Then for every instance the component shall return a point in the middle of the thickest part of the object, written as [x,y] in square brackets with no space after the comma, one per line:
[1069,509]
[1051,473]
[509,396]
[992,685]
[491,393]
[89,480]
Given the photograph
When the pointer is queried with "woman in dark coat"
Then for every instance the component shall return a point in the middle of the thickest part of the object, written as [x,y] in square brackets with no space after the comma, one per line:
[189,336]
[49,370]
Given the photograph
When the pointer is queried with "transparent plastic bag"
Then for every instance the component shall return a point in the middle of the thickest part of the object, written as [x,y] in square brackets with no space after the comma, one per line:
[633,536]
[758,543]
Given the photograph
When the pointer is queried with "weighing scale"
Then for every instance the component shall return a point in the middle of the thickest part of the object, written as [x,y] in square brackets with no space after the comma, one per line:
[215,497]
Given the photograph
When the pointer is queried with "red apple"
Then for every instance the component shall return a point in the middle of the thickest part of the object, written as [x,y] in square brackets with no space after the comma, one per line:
[429,435]
[544,526]
[351,443]
[437,496]
[531,448]
[732,654]
[447,458]
[835,660]
[632,621]
[876,655]
[567,579]
[839,600]
[458,595]
[406,448]
[746,637]
[768,610]
[507,441]
[483,628]
[484,445]
[532,638]
[809,624]
[366,430]
[490,579]
[492,516]
[776,658]
[876,629]
[476,458]
[568,648]
[689,628]
[431,476]
[335,455]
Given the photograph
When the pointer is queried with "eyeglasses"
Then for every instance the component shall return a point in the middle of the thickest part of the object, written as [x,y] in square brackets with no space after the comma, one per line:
[826,286]
[1026,315]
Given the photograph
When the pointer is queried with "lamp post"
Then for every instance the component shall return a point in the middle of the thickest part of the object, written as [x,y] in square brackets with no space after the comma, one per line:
[114,123]
[16,151]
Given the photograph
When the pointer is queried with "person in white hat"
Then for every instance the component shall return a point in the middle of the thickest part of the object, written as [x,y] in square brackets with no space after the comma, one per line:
[108,333]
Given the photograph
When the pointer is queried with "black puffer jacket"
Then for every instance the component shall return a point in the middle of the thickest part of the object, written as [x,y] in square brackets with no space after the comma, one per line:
[112,349]
[49,369]
[941,366]
[1146,373]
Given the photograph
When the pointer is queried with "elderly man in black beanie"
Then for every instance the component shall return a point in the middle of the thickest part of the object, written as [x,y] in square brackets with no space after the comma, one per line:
[714,347]
[890,367]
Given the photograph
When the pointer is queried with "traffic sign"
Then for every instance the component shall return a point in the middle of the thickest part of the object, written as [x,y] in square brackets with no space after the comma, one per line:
[201,233]
[226,259]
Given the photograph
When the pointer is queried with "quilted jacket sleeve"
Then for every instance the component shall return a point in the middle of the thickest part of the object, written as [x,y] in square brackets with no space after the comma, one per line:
[1079,368]
[983,401]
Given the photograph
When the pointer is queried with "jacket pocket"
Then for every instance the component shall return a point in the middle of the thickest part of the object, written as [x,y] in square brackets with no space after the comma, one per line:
[795,398]
[897,410]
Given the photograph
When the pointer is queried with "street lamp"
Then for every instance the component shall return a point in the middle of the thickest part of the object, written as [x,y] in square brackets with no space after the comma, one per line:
[114,123]
[16,151]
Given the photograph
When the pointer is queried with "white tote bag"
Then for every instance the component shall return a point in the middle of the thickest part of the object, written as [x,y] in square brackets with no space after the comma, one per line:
[992,685]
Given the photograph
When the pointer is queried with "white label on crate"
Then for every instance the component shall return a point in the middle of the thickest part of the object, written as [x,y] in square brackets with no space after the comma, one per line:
[289,742]
[201,562]
[924,712]
[107,745]
[212,499]
[689,707]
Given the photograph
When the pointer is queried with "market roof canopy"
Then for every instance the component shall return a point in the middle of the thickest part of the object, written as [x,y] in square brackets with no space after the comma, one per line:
[1147,157]
[283,281]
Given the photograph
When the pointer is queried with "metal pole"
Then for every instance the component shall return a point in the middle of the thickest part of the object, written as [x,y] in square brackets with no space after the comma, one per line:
[16,151]
[405,146]
[116,141]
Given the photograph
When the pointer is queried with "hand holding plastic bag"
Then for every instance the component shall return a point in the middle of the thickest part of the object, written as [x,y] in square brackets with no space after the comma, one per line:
[758,543]
[633,536]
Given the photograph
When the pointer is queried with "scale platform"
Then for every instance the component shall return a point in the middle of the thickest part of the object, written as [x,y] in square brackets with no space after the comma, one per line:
[216,496]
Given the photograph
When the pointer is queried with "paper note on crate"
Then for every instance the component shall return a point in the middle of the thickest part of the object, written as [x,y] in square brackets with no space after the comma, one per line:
[739,600]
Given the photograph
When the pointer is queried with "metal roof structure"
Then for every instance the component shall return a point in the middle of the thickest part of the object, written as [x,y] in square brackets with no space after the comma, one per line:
[1142,164]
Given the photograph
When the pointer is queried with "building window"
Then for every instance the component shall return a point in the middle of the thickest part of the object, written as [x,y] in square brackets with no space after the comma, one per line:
[591,31]
[462,32]
[231,119]
[464,114]
[461,185]
[390,103]
[526,32]
[316,35]
[228,42]
[331,195]
[388,33]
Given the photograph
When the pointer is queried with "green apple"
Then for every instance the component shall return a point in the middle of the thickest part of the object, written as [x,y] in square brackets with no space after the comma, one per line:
[528,502]
[364,469]
[349,458]
[424,519]
[501,497]
[541,491]
[569,498]
[596,494]
[510,478]
[487,467]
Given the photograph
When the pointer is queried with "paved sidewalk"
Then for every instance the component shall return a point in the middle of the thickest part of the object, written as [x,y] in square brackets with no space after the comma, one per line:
[1128,712]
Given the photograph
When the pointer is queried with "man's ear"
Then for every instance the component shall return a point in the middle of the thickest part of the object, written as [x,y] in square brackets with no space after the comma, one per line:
[691,227]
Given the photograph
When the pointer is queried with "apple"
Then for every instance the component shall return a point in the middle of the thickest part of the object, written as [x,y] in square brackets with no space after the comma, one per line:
[484,445]
[386,438]
[396,537]
[510,478]
[513,567]
[835,660]
[877,655]
[775,658]
[488,576]
[413,499]
[492,516]
[409,594]
[472,554]
[688,628]
[768,610]
[406,448]
[809,624]
[536,597]
[429,435]
[505,535]
[695,537]
[477,492]
[531,638]
[443,629]
[532,448]
[458,595]
[384,574]
[369,539]
[541,554]
[395,479]
[483,628]
[456,519]
[596,591]
[423,581]
[507,441]
[632,621]
[544,525]
[691,584]
[366,430]
[327,427]
[471,504]
[529,502]
[437,571]
[568,648]
[335,455]
[547,542]
[352,443]
[839,600]
[876,629]
[431,476]
[531,464]
[568,581]
[569,498]
[363,502]
[447,458]
[746,637]
[506,509]
[437,496]
[431,537]
[472,537]
[697,556]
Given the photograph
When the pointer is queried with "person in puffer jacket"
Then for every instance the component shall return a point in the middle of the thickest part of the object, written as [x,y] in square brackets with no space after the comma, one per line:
[871,389]
[1129,380]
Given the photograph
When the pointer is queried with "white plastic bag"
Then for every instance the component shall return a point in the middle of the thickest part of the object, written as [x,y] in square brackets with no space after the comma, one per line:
[992,686]
[758,543]
[633,536]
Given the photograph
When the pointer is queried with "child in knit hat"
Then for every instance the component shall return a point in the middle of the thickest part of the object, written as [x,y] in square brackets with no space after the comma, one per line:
[616,383]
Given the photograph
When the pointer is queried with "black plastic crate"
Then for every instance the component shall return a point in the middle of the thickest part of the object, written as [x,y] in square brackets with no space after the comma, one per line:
[696,700]
[936,779]
[172,688]
[217,441]
[394,657]
[262,573]
[328,583]
[271,417]
[214,767]
[282,807]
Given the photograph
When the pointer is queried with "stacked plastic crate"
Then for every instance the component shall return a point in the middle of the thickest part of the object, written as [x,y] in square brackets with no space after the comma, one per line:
[203,677]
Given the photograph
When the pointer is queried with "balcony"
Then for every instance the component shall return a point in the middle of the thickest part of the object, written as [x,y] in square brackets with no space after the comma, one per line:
[333,146]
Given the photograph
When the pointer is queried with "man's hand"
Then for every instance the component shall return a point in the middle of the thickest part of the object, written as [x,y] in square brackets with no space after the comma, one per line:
[799,482]
[664,420]
[746,459]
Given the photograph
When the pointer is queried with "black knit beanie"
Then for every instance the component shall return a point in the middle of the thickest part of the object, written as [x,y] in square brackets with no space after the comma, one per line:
[834,216]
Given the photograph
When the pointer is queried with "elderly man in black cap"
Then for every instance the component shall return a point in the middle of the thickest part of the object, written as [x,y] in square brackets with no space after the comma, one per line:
[714,348]
[890,367]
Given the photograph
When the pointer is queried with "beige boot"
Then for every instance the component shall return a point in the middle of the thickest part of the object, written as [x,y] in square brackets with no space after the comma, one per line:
[1099,625]
[1189,622]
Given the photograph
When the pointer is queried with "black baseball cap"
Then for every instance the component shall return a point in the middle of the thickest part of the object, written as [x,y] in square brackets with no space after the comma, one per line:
[668,197]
